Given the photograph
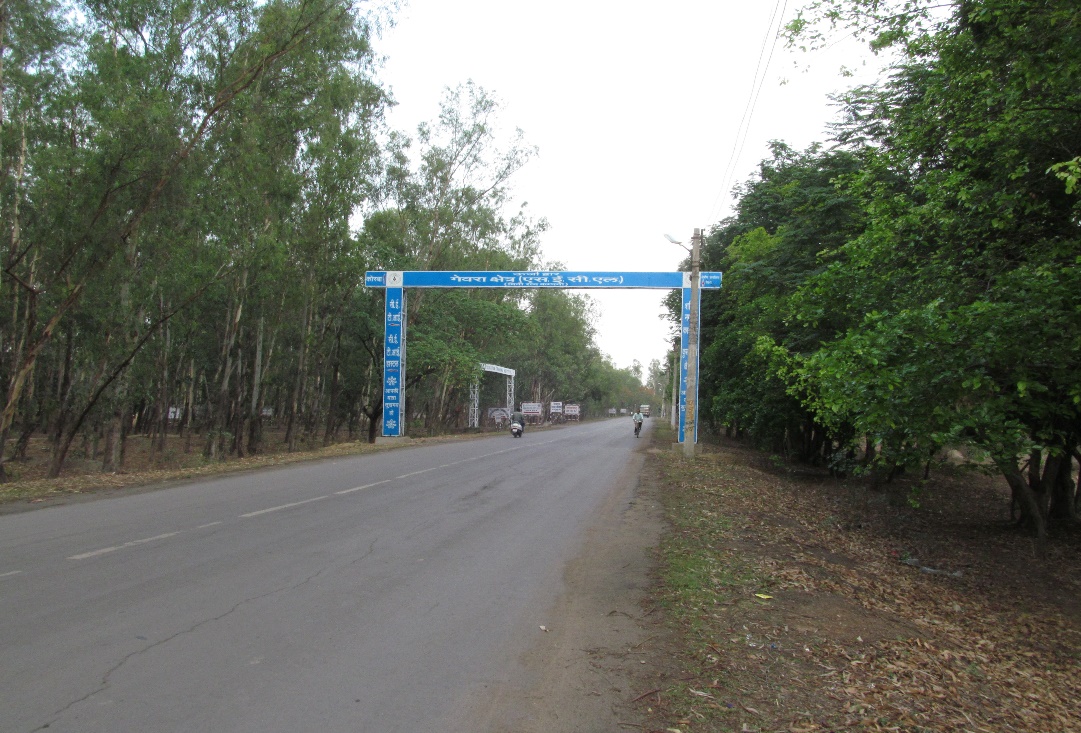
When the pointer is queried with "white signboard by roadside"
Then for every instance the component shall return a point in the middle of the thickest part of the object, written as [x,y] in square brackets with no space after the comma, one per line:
[532,409]
[555,408]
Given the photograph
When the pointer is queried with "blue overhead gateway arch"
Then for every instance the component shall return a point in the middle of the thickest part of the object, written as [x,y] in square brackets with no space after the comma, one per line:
[395,283]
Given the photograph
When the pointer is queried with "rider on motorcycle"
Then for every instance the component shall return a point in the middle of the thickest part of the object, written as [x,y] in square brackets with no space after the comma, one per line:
[518,417]
[637,417]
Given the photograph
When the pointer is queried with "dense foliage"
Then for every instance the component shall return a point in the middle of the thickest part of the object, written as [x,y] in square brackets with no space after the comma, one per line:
[191,192]
[918,285]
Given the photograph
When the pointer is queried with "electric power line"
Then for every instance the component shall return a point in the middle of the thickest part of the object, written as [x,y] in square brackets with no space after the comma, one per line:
[748,111]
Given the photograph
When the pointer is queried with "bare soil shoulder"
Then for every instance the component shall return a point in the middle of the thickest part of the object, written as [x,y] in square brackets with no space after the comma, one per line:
[802,603]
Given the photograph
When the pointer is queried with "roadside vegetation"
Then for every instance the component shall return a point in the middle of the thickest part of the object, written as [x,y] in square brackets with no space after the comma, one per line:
[802,602]
[913,284]
[190,196]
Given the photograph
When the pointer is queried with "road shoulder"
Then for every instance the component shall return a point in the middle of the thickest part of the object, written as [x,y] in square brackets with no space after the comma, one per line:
[592,659]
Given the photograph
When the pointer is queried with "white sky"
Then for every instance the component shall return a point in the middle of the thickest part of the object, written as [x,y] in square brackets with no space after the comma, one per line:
[636,108]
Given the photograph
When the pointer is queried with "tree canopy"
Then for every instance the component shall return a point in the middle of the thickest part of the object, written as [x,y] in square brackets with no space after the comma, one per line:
[915,285]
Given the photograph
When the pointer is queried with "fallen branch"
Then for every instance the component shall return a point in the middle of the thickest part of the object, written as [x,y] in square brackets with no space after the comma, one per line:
[645,694]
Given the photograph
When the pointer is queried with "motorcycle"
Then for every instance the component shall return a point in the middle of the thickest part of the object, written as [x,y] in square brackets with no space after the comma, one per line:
[516,430]
[637,427]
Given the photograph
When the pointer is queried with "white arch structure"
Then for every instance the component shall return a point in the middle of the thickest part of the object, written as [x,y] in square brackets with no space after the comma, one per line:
[396,282]
[474,393]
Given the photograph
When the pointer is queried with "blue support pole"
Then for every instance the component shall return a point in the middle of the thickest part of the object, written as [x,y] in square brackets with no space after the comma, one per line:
[394,358]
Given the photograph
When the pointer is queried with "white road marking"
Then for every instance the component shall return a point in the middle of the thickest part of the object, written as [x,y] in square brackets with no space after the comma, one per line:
[8,574]
[133,543]
[361,488]
[417,473]
[279,508]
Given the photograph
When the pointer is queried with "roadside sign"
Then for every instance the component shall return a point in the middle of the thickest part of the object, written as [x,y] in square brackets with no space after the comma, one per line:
[541,279]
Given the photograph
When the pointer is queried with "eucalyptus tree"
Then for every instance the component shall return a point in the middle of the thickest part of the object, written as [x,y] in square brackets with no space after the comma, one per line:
[300,156]
[454,211]
[656,379]
[111,189]
[454,202]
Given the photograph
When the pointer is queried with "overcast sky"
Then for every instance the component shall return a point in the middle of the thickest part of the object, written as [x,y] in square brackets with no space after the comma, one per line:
[640,112]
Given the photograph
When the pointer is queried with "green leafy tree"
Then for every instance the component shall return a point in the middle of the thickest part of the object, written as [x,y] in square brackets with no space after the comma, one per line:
[791,219]
[963,290]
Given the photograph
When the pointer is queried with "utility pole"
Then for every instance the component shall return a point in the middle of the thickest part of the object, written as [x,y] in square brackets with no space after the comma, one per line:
[690,429]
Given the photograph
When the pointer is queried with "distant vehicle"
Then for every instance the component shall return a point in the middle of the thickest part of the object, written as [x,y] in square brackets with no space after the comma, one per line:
[516,430]
[644,410]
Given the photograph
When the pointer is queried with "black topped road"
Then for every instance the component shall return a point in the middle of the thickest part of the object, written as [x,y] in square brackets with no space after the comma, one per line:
[379,593]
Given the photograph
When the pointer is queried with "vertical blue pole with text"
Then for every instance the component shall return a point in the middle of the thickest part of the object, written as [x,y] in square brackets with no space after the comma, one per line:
[684,360]
[394,363]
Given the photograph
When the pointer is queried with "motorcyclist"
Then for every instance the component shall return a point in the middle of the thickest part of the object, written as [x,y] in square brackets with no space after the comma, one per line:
[518,417]
[637,417]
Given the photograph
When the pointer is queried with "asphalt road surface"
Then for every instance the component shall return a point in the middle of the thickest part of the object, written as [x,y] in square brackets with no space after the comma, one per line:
[380,593]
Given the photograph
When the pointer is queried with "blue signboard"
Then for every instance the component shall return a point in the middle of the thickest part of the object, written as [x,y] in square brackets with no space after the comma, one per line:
[395,283]
[684,362]
[540,279]
[394,361]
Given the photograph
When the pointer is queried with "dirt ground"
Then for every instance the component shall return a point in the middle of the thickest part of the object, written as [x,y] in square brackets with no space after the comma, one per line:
[738,593]
[797,602]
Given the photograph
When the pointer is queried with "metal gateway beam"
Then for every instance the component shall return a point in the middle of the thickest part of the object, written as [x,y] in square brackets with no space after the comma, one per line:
[395,282]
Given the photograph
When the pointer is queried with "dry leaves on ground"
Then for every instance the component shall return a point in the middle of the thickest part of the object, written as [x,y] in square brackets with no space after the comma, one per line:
[881,616]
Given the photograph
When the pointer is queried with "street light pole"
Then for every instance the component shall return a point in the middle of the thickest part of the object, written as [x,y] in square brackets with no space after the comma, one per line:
[690,429]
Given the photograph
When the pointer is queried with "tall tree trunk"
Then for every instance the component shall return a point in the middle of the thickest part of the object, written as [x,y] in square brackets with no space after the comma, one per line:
[332,404]
[133,323]
[237,406]
[63,399]
[374,413]
[165,390]
[217,424]
[1060,486]
[185,424]
[441,405]
[1032,513]
[298,383]
[1077,484]
[255,426]
[111,451]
